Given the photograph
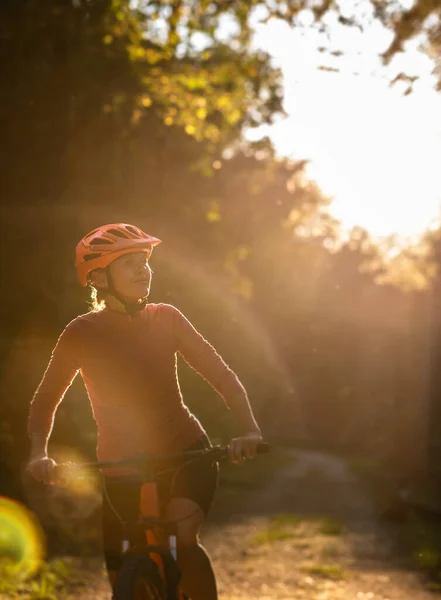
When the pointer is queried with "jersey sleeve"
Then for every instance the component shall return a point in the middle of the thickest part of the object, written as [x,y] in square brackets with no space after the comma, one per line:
[59,375]
[203,358]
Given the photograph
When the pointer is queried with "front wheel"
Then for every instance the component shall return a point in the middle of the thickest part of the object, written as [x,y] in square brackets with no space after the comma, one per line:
[139,579]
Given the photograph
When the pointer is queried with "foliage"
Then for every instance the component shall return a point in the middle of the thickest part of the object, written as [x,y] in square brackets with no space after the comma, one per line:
[334,572]
[111,113]
[46,584]
[418,21]
[288,525]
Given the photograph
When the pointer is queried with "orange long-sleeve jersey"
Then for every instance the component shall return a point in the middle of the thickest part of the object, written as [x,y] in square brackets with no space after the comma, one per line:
[128,366]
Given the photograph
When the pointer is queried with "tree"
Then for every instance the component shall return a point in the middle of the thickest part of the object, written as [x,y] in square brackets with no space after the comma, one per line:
[114,113]
[422,21]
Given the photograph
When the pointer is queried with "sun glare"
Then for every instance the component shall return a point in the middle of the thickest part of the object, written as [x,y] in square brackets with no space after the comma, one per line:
[374,150]
[376,153]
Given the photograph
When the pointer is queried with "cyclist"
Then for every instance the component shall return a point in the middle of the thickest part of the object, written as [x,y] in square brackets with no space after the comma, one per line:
[125,349]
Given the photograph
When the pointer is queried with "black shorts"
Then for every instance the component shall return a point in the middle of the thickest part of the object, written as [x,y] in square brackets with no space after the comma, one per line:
[195,480]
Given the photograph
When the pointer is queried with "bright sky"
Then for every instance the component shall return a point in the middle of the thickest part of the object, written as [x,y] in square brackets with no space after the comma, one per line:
[377,152]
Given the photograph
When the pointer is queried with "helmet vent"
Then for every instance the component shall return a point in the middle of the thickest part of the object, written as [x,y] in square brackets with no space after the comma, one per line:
[132,230]
[91,256]
[99,241]
[118,233]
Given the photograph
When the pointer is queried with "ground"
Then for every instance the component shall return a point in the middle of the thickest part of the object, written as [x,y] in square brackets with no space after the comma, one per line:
[308,531]
[313,534]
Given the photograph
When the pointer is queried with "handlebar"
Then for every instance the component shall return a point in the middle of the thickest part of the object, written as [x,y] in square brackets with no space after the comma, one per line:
[148,461]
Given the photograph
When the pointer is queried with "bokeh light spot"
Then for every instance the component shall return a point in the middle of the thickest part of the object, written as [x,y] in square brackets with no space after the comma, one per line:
[22,540]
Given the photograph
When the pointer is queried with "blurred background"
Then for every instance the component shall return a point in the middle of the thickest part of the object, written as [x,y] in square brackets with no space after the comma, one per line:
[287,154]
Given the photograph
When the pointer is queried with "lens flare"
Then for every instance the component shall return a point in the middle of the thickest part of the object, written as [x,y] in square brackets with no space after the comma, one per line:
[248,325]
[79,483]
[21,537]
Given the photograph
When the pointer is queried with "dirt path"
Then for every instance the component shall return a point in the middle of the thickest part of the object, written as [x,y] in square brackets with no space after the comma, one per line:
[311,534]
[338,549]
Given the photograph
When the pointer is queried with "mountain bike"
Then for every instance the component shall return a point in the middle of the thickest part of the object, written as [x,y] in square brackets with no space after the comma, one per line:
[149,569]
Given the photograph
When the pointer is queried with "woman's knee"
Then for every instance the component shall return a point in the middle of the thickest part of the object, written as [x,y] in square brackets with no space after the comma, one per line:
[188,518]
[187,531]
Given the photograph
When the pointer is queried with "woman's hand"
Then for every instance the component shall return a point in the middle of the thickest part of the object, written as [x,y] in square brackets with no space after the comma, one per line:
[244,447]
[42,468]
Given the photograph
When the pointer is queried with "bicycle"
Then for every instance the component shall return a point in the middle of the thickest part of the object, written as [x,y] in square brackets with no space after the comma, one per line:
[149,569]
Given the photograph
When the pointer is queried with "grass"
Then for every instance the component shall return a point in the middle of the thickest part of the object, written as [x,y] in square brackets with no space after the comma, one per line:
[283,526]
[417,527]
[325,525]
[45,584]
[334,572]
[272,535]
[428,559]
[286,519]
[331,526]
[421,538]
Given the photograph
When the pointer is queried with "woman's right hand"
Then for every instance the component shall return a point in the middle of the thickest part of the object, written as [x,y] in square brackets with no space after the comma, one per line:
[42,468]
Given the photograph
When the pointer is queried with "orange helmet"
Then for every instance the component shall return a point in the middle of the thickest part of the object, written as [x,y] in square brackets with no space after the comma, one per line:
[103,245]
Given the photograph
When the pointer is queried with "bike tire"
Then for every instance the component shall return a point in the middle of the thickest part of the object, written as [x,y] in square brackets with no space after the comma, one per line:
[139,579]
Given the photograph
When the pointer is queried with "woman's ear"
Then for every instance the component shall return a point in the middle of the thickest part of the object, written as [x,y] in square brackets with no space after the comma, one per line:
[98,278]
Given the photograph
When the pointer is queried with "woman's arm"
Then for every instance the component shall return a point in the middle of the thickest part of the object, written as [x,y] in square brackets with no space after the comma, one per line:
[60,372]
[204,359]
[241,408]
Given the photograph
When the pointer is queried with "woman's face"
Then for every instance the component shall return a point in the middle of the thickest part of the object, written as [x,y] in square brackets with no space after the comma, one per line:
[131,275]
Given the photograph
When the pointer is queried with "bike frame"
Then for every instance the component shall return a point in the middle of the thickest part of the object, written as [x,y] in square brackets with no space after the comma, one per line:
[159,536]
[160,539]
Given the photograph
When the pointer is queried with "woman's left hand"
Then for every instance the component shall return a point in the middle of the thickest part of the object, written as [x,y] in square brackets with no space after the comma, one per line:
[244,447]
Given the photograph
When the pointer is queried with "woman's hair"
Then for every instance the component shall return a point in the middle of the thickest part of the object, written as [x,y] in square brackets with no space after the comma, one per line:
[97,298]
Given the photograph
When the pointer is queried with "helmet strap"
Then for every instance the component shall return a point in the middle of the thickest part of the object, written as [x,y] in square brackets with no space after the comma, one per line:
[131,308]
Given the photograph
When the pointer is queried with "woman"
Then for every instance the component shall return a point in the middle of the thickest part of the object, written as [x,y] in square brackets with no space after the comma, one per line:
[126,351]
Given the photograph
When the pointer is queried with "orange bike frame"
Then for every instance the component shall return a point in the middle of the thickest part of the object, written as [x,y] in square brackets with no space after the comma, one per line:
[149,507]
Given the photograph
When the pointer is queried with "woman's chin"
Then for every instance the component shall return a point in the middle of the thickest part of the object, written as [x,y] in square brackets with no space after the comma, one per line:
[141,291]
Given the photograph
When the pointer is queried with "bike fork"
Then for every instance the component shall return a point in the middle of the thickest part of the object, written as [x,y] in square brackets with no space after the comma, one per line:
[173,546]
